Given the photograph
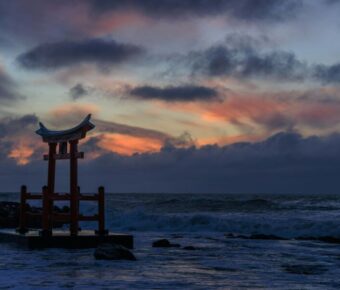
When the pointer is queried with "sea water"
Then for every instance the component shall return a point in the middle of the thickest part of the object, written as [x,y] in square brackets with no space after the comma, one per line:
[217,225]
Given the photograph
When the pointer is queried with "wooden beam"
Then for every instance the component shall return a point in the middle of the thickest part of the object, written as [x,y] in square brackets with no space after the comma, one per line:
[33,196]
[79,155]
[88,218]
[29,213]
[57,196]
[62,217]
[88,197]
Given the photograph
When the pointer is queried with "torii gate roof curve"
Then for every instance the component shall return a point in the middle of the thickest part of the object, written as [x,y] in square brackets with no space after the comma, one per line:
[75,133]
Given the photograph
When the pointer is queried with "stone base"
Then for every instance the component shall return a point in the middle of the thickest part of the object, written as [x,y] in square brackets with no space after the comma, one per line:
[62,239]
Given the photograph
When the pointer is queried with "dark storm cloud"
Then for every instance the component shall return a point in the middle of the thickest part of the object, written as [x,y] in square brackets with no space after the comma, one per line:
[78,91]
[104,53]
[274,10]
[175,93]
[285,162]
[243,60]
[33,21]
[11,126]
[8,91]
[327,74]
[242,57]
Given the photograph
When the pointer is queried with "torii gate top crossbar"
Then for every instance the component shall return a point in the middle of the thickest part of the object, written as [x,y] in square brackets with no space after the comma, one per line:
[75,133]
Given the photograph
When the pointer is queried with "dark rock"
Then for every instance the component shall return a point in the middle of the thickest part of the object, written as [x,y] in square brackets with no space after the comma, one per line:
[326,239]
[189,248]
[164,243]
[304,269]
[9,215]
[235,236]
[161,243]
[113,252]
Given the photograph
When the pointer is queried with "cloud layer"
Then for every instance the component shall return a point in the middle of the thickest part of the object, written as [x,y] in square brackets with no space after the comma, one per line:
[175,93]
[104,53]
[285,162]
[242,9]
[7,88]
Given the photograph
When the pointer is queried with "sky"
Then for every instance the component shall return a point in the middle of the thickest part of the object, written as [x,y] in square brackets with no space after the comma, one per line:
[186,95]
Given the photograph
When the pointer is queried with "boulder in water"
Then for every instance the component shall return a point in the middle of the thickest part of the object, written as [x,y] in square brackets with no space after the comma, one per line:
[113,252]
[164,243]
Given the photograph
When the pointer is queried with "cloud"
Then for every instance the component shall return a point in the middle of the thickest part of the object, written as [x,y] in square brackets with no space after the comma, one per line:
[17,139]
[113,127]
[8,91]
[327,74]
[241,57]
[286,162]
[249,10]
[265,113]
[185,93]
[142,136]
[104,53]
[78,91]
[111,136]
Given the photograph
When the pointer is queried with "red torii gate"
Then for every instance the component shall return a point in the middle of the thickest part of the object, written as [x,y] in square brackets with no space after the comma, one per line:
[63,139]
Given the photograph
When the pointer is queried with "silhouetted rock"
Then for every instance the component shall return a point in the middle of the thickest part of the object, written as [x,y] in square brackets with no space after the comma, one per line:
[9,215]
[113,252]
[304,269]
[164,243]
[189,248]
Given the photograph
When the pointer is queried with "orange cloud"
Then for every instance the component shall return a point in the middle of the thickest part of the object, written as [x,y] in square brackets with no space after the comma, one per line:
[21,154]
[235,109]
[128,145]
[23,146]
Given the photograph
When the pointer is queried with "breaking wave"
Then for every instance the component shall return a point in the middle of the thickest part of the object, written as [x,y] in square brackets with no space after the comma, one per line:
[285,226]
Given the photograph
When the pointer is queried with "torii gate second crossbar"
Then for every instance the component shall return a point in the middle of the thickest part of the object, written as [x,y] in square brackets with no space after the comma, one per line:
[67,143]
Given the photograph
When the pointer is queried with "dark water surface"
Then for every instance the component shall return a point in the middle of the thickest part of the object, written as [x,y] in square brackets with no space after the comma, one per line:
[200,220]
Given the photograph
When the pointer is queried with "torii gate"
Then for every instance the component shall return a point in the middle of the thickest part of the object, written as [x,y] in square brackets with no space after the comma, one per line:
[66,139]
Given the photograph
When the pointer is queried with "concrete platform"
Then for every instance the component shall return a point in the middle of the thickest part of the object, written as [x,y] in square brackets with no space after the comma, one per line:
[63,239]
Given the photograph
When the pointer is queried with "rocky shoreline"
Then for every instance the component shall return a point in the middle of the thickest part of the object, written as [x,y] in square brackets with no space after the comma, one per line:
[9,215]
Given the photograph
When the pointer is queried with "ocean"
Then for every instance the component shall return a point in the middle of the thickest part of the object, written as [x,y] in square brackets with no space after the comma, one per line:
[241,241]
